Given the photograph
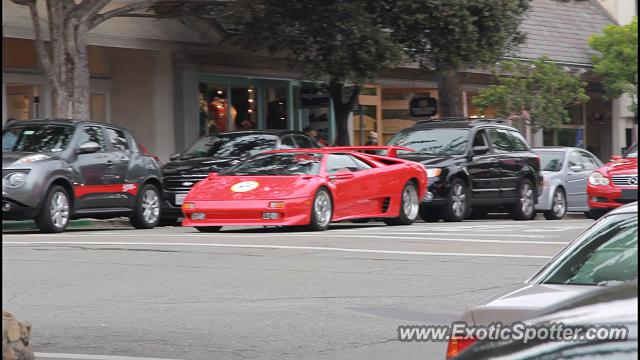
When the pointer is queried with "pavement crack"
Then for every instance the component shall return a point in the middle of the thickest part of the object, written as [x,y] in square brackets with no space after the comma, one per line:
[355,346]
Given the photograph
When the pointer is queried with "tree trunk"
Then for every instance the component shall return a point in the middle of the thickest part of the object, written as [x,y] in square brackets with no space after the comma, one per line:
[449,94]
[342,111]
[66,62]
[342,127]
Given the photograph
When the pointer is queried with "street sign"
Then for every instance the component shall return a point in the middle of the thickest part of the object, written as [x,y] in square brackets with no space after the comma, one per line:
[423,107]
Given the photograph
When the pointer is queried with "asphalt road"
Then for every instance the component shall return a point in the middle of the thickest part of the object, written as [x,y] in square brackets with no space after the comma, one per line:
[174,293]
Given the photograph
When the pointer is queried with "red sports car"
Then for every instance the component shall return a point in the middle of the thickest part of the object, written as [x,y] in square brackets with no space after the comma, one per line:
[614,184]
[309,187]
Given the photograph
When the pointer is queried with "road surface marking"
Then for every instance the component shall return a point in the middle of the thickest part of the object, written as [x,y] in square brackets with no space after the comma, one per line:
[428,238]
[41,355]
[287,247]
[412,232]
[315,235]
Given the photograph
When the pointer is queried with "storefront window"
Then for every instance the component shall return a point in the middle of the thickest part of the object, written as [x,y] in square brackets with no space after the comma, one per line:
[276,107]
[243,104]
[314,108]
[395,109]
[20,101]
[364,123]
[213,108]
[575,115]
[564,137]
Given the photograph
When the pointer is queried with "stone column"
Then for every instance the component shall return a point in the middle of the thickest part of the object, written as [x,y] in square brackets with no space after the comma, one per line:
[163,112]
[4,103]
[185,100]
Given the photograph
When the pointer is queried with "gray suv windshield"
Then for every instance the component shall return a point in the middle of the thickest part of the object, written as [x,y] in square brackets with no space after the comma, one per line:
[36,138]
[433,141]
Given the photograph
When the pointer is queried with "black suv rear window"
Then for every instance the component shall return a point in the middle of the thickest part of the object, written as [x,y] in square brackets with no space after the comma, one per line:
[433,141]
[231,145]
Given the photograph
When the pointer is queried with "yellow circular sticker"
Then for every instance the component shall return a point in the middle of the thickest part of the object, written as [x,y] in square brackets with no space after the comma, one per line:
[245,186]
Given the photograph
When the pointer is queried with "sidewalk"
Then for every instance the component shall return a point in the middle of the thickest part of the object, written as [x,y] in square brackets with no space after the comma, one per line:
[73,224]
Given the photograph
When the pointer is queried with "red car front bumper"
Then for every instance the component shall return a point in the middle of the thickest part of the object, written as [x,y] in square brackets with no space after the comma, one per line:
[610,197]
[247,213]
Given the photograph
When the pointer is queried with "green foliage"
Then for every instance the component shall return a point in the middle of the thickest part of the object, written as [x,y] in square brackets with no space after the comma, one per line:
[335,40]
[538,92]
[453,34]
[617,62]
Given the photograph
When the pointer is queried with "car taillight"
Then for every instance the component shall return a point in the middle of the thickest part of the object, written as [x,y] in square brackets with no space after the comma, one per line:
[457,344]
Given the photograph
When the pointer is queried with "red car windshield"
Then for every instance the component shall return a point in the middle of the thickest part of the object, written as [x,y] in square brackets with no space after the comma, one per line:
[281,164]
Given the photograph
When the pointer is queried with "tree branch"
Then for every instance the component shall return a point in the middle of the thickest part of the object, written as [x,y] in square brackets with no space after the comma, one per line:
[98,19]
[165,16]
[86,9]
[130,10]
[45,60]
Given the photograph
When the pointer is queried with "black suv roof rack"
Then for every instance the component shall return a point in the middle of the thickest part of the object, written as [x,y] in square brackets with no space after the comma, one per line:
[487,120]
[470,120]
[443,119]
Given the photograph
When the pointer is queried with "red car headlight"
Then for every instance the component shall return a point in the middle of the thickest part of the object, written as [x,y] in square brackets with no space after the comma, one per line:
[598,179]
[276,204]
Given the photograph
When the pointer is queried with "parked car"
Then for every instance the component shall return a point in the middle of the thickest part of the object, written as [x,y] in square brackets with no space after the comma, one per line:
[614,184]
[610,306]
[307,187]
[604,254]
[566,171]
[57,170]
[213,153]
[474,166]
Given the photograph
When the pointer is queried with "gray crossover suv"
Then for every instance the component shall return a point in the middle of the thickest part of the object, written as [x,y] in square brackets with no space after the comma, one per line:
[57,170]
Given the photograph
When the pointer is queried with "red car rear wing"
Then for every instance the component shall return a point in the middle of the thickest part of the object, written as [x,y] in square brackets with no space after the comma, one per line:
[391,150]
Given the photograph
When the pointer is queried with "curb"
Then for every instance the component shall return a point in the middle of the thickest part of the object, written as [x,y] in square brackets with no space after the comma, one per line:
[73,224]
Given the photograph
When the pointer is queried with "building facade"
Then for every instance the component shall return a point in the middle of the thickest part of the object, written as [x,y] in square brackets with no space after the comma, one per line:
[170,83]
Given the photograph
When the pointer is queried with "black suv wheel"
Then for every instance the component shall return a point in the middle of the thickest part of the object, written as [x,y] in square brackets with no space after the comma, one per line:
[457,206]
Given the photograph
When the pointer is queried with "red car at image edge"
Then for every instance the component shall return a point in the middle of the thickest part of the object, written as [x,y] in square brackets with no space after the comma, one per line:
[309,187]
[614,184]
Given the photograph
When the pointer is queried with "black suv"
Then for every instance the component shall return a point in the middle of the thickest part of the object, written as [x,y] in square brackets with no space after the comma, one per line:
[213,153]
[57,170]
[473,166]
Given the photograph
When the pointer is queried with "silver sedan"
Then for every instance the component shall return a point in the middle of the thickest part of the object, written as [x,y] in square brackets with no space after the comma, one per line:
[565,171]
[604,254]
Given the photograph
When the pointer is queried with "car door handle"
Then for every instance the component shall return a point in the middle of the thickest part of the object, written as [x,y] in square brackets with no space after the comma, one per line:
[109,163]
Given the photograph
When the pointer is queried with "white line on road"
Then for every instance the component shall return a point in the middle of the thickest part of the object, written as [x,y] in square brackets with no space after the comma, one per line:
[320,236]
[428,238]
[41,355]
[371,251]
[405,232]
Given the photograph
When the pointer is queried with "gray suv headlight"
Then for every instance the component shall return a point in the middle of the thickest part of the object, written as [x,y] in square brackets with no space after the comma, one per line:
[14,180]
